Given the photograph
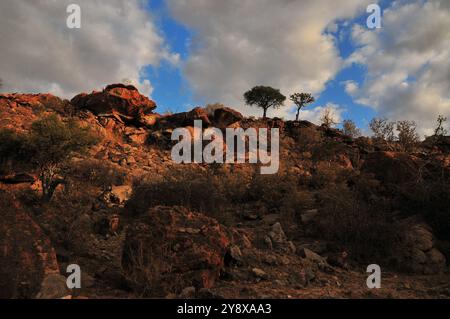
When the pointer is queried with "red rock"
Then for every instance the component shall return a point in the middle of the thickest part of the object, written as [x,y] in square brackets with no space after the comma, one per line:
[185,119]
[33,100]
[18,111]
[123,101]
[174,246]
[224,116]
[26,254]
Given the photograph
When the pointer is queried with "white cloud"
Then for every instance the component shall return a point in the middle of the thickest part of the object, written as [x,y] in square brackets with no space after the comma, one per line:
[408,62]
[350,86]
[40,54]
[243,43]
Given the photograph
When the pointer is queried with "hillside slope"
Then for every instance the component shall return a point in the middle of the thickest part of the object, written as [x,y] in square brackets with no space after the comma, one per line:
[140,225]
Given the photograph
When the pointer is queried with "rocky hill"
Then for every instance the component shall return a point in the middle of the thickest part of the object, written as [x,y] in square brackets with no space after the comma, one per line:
[140,225]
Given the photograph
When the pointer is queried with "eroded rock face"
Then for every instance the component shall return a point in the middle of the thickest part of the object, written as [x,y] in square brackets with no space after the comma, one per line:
[123,101]
[170,248]
[26,254]
[185,119]
[225,116]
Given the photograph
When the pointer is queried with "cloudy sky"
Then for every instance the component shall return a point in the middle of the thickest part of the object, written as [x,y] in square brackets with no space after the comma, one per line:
[185,53]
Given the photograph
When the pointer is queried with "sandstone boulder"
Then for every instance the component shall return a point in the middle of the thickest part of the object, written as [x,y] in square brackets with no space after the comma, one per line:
[184,119]
[225,116]
[26,254]
[121,101]
[53,286]
[419,253]
[170,248]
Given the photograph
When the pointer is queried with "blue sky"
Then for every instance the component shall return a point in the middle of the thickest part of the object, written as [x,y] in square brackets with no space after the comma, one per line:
[171,89]
[173,93]
[187,53]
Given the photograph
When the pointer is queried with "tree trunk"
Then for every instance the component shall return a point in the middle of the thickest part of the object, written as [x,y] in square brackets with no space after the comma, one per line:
[297,115]
[265,112]
[49,182]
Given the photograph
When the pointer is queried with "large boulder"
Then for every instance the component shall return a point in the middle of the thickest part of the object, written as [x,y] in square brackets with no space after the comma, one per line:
[419,253]
[119,100]
[185,119]
[26,254]
[277,239]
[225,116]
[170,248]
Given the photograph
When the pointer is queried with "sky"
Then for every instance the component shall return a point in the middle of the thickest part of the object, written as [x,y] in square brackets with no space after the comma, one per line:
[188,53]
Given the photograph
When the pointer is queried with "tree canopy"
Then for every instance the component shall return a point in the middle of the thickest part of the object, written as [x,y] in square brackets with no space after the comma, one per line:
[301,100]
[264,97]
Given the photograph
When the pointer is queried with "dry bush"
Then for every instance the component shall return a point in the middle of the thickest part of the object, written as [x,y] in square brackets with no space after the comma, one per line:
[365,229]
[428,195]
[197,190]
[272,190]
[329,118]
[96,173]
[382,129]
[294,203]
[327,173]
[349,128]
[327,150]
[407,135]
[146,272]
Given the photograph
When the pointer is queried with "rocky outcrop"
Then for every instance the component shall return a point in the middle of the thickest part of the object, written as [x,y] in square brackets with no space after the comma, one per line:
[225,116]
[170,248]
[185,119]
[123,102]
[18,111]
[36,101]
[26,254]
[419,253]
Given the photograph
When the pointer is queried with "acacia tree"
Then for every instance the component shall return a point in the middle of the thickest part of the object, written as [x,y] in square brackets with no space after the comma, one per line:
[51,144]
[301,100]
[264,97]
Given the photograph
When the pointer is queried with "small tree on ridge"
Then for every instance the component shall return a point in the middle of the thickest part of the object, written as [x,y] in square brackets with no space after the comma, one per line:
[301,100]
[264,97]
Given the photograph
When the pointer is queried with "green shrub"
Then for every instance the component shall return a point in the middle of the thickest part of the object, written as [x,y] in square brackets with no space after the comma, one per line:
[51,143]
[12,149]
